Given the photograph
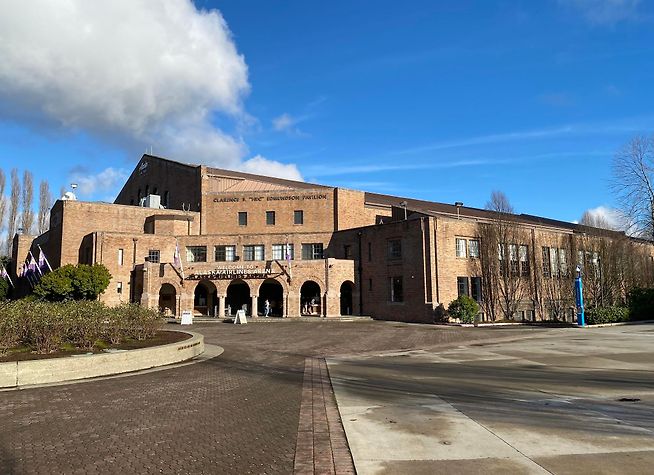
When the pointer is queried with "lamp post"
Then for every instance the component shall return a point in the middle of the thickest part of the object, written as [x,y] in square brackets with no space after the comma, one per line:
[403,204]
[579,299]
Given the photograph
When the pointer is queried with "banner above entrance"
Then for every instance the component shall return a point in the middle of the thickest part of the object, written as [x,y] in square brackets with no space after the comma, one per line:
[228,273]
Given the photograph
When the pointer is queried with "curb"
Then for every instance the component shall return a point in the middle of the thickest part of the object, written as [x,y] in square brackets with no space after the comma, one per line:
[36,372]
[619,324]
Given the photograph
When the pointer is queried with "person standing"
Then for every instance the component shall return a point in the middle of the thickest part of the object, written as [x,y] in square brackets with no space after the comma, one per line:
[266,308]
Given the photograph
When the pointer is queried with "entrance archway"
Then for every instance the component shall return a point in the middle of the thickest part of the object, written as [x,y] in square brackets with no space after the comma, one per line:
[346,297]
[272,291]
[310,299]
[168,299]
[238,297]
[205,298]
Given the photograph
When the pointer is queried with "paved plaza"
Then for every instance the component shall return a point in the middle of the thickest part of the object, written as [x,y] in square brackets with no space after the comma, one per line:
[266,404]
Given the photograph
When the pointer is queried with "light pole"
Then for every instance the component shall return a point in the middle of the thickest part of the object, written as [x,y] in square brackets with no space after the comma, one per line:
[403,204]
[579,299]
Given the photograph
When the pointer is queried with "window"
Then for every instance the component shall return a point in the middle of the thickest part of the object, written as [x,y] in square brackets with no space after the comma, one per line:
[547,272]
[282,252]
[475,288]
[462,286]
[563,262]
[154,255]
[253,252]
[225,253]
[397,293]
[513,258]
[242,218]
[196,254]
[119,287]
[347,251]
[473,248]
[121,257]
[460,247]
[298,216]
[312,251]
[554,261]
[370,284]
[369,252]
[524,260]
[270,218]
[394,249]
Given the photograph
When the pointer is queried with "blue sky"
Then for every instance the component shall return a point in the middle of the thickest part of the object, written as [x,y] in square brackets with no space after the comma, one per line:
[444,101]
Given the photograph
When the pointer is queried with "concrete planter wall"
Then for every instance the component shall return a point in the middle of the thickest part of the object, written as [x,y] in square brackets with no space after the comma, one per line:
[24,373]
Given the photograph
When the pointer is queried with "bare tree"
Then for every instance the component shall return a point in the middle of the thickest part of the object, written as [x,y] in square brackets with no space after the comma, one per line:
[505,263]
[595,220]
[45,202]
[14,205]
[27,217]
[633,181]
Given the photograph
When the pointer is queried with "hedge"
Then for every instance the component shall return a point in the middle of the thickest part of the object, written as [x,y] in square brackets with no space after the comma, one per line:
[46,327]
[595,316]
[641,304]
[463,308]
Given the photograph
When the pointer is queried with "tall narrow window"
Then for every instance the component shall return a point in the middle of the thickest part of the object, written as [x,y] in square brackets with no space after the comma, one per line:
[121,257]
[513,257]
[369,251]
[347,251]
[462,286]
[475,288]
[524,261]
[270,218]
[242,218]
[298,216]
[547,271]
[460,247]
[563,262]
[473,248]
[554,261]
[119,287]
[397,291]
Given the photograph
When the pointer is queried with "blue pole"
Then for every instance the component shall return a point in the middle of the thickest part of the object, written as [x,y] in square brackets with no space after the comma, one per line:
[579,299]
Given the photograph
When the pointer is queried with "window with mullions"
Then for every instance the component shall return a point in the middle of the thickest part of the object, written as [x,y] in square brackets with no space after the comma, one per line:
[462,286]
[524,260]
[394,249]
[460,247]
[312,251]
[196,254]
[253,252]
[282,252]
[225,253]
[154,255]
[473,248]
[513,259]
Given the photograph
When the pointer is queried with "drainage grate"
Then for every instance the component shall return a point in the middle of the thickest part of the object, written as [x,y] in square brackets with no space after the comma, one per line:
[629,399]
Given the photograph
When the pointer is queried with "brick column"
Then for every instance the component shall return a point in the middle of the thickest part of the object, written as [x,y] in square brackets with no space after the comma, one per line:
[255,305]
[221,306]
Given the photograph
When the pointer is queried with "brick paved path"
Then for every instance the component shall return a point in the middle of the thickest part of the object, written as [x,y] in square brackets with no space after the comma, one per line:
[238,413]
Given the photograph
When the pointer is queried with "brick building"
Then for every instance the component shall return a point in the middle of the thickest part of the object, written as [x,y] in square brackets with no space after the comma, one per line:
[306,249]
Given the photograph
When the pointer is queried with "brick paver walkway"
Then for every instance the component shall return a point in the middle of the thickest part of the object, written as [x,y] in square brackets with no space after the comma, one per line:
[235,414]
[321,443]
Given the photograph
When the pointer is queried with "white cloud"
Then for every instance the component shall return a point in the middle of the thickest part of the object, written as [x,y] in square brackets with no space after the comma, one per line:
[108,180]
[136,72]
[605,217]
[262,166]
[283,122]
[604,12]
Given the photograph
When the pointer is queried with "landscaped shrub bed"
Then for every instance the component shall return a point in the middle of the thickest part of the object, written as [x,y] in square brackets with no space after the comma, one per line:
[45,327]
[595,316]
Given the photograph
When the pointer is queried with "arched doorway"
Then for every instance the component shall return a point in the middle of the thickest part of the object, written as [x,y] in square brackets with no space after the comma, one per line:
[205,298]
[168,299]
[310,299]
[272,291]
[346,297]
[238,297]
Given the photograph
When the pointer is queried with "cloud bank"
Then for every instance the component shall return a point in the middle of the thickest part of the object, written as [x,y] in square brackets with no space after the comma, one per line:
[135,72]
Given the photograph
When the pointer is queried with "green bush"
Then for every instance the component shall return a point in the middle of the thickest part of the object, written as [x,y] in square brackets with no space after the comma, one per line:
[69,282]
[4,289]
[595,316]
[46,327]
[641,304]
[463,308]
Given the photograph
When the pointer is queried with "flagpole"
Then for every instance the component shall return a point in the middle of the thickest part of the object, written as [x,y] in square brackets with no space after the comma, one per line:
[6,274]
[44,257]
[35,263]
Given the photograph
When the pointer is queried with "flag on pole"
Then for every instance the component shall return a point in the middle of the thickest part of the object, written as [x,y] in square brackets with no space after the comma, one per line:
[34,266]
[43,261]
[5,275]
[288,261]
[177,259]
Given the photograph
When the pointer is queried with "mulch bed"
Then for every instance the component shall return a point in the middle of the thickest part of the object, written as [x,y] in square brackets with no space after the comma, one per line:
[161,338]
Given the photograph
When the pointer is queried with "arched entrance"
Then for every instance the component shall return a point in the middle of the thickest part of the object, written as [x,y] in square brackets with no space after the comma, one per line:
[346,297]
[272,291]
[205,299]
[310,299]
[238,297]
[168,299]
